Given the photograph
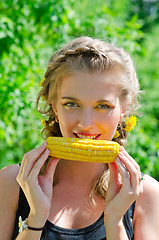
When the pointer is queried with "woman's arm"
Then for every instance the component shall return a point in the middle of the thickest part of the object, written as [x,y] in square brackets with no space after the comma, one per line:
[115,230]
[146,215]
[122,191]
[37,189]
[9,195]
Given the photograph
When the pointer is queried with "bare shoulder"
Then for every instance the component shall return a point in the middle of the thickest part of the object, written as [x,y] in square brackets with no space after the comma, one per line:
[150,194]
[10,171]
[8,183]
[9,196]
[146,213]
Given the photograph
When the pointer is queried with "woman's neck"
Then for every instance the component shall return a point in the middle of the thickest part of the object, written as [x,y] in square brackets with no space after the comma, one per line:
[79,173]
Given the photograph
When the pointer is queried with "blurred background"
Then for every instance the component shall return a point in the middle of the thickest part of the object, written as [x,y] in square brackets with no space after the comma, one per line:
[31,30]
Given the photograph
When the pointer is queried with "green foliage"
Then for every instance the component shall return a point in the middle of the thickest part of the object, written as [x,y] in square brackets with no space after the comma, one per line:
[29,33]
[148,11]
[147,136]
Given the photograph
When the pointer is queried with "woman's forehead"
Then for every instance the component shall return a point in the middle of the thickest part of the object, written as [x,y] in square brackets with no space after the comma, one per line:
[90,85]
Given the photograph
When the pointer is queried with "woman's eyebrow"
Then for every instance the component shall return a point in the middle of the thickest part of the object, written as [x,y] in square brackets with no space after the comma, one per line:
[70,98]
[110,101]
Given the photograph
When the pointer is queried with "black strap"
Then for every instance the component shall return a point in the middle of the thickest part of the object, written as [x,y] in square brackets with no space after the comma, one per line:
[35,229]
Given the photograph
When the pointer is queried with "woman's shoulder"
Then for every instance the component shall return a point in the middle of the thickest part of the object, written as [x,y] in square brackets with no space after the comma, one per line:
[9,187]
[150,189]
[146,213]
[9,196]
[9,172]
[149,194]
[8,175]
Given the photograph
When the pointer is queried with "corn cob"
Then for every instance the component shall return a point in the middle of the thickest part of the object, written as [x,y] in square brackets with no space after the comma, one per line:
[86,150]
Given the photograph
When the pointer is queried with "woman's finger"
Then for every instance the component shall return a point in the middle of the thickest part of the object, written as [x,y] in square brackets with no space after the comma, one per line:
[50,170]
[113,172]
[38,165]
[122,149]
[129,171]
[114,183]
[30,158]
[128,160]
[124,174]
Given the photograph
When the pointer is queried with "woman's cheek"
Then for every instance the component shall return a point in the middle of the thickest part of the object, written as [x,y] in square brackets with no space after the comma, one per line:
[66,122]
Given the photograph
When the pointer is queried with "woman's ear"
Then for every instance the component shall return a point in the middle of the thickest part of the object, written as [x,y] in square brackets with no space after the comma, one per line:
[121,116]
[125,107]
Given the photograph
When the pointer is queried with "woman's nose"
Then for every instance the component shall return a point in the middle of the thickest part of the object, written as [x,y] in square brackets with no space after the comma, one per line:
[86,120]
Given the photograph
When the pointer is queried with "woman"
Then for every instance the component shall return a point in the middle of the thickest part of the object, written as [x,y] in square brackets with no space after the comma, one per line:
[90,88]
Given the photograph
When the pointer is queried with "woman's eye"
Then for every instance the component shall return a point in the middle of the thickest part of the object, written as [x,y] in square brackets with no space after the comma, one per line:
[102,106]
[71,105]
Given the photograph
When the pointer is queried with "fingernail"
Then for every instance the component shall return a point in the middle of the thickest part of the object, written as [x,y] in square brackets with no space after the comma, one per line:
[44,143]
[119,162]
[121,154]
[47,151]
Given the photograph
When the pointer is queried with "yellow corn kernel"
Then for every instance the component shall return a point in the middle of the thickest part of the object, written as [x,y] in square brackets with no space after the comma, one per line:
[86,150]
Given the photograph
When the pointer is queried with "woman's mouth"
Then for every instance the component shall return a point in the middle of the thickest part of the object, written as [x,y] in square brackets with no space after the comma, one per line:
[86,136]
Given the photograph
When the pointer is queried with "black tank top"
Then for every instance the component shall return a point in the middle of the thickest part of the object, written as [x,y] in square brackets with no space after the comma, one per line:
[95,231]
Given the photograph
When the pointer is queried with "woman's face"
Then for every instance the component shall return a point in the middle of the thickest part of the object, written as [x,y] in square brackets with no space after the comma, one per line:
[88,105]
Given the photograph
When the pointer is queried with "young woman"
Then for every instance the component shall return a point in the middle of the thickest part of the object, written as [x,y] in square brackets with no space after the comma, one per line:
[90,88]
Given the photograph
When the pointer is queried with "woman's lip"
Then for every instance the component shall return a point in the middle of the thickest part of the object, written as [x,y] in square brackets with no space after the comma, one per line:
[87,134]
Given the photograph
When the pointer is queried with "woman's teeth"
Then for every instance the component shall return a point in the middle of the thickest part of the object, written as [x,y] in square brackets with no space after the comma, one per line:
[86,136]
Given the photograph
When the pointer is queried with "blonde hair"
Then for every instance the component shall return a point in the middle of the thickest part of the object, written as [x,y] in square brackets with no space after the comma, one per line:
[88,55]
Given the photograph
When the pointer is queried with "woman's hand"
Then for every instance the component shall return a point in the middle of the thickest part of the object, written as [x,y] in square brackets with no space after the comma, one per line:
[37,188]
[122,192]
